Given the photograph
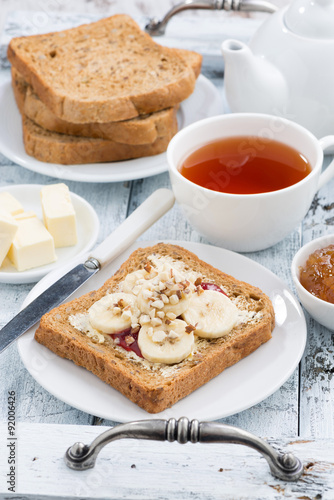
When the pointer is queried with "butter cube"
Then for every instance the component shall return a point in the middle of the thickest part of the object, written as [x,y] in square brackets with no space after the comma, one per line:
[59,215]
[25,215]
[32,246]
[8,230]
[10,204]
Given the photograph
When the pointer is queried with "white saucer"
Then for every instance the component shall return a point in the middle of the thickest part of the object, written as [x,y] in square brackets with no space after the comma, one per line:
[88,226]
[204,102]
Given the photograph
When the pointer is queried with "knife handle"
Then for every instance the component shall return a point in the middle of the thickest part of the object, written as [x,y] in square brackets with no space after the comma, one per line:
[154,207]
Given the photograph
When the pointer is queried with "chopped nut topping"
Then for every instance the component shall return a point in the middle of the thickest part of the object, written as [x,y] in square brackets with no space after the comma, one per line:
[129,340]
[117,310]
[168,321]
[144,319]
[121,303]
[96,338]
[158,304]
[174,299]
[190,328]
[179,294]
[160,314]
[152,313]
[178,278]
[147,294]
[126,314]
[171,315]
[156,322]
[198,281]
[136,289]
[164,276]
[199,290]
[173,335]
[148,267]
[158,336]
[164,298]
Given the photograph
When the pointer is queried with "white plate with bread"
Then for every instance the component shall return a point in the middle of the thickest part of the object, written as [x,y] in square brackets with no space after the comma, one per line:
[87,224]
[96,95]
[204,102]
[237,388]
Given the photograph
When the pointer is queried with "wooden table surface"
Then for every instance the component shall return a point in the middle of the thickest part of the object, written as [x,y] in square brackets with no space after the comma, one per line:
[299,414]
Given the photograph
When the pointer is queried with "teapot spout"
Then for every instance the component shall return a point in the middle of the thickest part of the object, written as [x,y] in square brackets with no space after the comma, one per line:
[252,84]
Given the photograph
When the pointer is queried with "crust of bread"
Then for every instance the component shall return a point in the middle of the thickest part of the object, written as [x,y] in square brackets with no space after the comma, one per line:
[20,88]
[153,386]
[144,129]
[105,71]
[51,147]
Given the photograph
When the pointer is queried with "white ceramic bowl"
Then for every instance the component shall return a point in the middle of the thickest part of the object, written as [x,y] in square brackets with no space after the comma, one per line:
[320,310]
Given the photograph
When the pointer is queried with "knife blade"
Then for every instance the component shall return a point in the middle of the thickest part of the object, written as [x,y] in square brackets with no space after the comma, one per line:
[154,207]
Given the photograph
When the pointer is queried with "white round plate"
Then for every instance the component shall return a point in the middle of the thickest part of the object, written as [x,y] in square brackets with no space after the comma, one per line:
[239,387]
[87,226]
[204,102]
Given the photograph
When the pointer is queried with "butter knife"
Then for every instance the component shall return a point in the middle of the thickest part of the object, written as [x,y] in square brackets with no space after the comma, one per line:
[154,207]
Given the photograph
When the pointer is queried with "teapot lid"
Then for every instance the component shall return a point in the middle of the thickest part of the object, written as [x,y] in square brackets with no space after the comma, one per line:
[311,18]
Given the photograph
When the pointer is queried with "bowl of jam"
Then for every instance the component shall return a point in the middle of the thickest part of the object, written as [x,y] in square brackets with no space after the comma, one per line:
[313,275]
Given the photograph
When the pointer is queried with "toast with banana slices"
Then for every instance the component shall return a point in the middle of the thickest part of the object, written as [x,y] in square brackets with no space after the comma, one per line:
[165,324]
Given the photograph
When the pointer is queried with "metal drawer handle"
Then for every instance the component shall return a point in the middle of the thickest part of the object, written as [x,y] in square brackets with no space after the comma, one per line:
[158,28]
[282,465]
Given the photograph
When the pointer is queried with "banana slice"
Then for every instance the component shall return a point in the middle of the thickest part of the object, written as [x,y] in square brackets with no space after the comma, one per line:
[213,314]
[166,343]
[114,313]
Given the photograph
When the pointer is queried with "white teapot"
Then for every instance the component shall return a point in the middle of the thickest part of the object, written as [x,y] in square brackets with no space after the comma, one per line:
[288,67]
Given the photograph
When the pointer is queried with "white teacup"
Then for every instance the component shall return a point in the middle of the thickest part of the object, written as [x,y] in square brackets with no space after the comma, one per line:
[247,222]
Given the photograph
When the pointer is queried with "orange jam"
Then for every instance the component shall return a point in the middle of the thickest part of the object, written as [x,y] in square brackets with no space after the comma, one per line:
[318,274]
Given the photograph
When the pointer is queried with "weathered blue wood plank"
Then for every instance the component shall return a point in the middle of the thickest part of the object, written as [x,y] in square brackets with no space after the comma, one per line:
[34,404]
[276,416]
[317,381]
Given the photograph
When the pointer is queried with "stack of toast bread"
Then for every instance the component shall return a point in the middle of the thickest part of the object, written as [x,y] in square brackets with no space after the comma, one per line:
[100,92]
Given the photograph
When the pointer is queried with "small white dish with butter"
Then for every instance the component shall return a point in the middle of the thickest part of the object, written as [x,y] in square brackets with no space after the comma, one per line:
[87,229]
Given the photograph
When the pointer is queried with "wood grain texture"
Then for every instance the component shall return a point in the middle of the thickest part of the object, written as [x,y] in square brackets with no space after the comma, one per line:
[134,469]
[302,406]
[34,404]
[317,381]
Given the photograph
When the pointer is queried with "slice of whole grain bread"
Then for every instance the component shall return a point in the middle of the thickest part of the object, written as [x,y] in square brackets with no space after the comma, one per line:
[51,147]
[105,71]
[155,386]
[144,129]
